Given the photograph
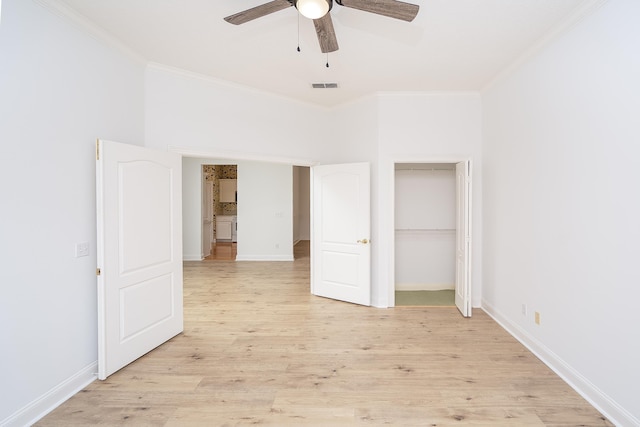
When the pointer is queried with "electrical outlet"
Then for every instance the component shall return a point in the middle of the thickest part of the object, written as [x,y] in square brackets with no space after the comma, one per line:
[82,249]
[524,309]
[537,318]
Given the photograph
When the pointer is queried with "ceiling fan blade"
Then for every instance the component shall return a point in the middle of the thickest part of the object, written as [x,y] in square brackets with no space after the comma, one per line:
[257,12]
[391,8]
[326,34]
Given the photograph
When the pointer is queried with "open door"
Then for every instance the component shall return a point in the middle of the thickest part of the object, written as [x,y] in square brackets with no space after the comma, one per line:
[463,238]
[341,250]
[139,252]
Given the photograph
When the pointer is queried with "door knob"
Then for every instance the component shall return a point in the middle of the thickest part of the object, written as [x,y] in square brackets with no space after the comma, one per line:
[363,241]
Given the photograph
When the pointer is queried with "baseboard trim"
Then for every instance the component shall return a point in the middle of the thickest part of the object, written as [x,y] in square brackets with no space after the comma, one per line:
[46,403]
[423,287]
[264,257]
[187,257]
[596,397]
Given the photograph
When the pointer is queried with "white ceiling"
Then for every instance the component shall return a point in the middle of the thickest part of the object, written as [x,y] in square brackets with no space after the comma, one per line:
[452,45]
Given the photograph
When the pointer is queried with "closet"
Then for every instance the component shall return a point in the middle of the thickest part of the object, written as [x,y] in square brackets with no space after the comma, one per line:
[425,226]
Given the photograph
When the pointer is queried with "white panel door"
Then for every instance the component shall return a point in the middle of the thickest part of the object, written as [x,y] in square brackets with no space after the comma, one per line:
[463,238]
[341,250]
[139,253]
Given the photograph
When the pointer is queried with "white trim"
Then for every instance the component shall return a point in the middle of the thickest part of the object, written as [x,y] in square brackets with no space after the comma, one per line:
[232,157]
[84,24]
[191,257]
[413,286]
[46,403]
[264,257]
[549,37]
[311,234]
[589,391]
[427,93]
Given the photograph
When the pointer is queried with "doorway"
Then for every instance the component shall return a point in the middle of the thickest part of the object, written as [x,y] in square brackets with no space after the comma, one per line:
[219,211]
[431,235]
[301,209]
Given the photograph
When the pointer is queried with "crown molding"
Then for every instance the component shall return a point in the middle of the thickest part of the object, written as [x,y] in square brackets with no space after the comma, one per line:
[428,93]
[549,37]
[84,24]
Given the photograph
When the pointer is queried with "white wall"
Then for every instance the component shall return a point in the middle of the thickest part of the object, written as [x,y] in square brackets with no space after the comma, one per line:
[192,249]
[425,198]
[561,140]
[428,128]
[184,110]
[353,133]
[425,227]
[265,212]
[354,128]
[60,90]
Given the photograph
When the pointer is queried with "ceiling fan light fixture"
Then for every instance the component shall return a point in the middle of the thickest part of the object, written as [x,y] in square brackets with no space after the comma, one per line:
[313,9]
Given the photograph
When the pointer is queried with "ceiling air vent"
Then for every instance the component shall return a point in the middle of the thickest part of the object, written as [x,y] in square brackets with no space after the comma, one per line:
[324,85]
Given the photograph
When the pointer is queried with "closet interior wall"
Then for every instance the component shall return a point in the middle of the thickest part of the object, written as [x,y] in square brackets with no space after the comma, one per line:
[425,226]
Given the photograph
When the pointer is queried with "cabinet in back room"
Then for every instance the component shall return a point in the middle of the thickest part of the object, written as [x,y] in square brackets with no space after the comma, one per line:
[225,227]
[228,190]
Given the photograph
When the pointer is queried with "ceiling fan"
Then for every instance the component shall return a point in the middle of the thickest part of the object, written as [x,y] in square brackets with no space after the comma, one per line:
[318,10]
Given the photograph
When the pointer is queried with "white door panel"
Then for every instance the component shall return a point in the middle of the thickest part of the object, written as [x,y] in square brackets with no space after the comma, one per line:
[463,238]
[144,208]
[139,216]
[341,232]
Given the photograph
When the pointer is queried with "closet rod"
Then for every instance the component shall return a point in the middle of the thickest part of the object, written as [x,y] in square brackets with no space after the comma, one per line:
[426,229]
[422,169]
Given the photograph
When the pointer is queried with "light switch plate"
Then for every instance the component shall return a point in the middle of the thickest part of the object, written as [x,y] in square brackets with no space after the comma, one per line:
[82,249]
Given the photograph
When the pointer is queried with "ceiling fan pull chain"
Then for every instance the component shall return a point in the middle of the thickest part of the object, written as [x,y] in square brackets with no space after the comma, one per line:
[327,59]
[298,32]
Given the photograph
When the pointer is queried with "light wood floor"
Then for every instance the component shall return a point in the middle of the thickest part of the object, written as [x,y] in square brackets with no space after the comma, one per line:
[258,349]
[225,251]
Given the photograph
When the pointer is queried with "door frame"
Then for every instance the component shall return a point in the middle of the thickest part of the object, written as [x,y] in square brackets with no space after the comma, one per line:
[234,156]
[391,297]
[223,157]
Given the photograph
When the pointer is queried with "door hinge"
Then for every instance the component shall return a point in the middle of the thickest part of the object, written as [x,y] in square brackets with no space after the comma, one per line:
[98,271]
[97,149]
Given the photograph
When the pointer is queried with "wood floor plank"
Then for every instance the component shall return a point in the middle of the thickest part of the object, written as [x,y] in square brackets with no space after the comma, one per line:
[258,349]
